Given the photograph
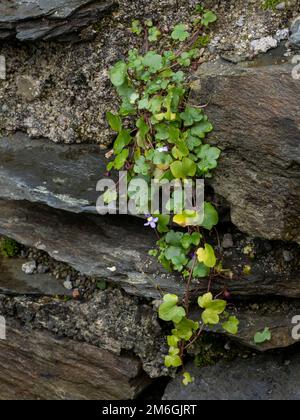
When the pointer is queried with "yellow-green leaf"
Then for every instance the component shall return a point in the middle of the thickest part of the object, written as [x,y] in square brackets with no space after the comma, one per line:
[207,256]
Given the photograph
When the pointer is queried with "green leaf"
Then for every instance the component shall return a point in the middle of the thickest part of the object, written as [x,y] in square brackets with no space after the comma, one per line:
[207,256]
[144,103]
[209,157]
[136,27]
[185,329]
[114,121]
[205,300]
[191,115]
[232,325]
[201,129]
[178,77]
[153,61]
[126,92]
[174,238]
[163,223]
[177,256]
[185,168]
[187,379]
[162,158]
[155,104]
[121,159]
[213,309]
[180,33]
[192,141]
[154,34]
[189,240]
[162,132]
[211,217]
[187,218]
[149,23]
[184,59]
[141,166]
[200,271]
[142,132]
[118,73]
[123,139]
[169,311]
[109,196]
[208,18]
[173,341]
[210,317]
[262,337]
[173,361]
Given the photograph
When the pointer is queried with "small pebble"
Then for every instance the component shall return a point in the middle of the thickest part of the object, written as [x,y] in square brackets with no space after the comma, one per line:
[227,241]
[281,6]
[42,269]
[29,267]
[68,285]
[287,256]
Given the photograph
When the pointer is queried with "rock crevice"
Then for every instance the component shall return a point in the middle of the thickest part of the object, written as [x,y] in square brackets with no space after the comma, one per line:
[46,20]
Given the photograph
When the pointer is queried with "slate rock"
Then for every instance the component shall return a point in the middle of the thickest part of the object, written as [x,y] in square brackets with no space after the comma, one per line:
[62,176]
[32,20]
[256,115]
[260,378]
[62,369]
[110,320]
[93,245]
[13,281]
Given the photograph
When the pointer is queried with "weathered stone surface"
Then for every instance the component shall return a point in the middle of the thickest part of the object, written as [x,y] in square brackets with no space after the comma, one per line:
[14,281]
[62,176]
[37,365]
[111,320]
[256,114]
[113,248]
[294,39]
[277,316]
[77,92]
[116,249]
[260,378]
[32,20]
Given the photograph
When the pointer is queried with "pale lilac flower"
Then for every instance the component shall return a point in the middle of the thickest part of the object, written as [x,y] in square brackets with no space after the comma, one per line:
[151,221]
[163,149]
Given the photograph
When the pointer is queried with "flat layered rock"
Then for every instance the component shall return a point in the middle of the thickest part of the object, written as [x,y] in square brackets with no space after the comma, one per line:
[61,176]
[14,281]
[260,378]
[32,20]
[277,316]
[116,249]
[256,114]
[62,369]
[111,320]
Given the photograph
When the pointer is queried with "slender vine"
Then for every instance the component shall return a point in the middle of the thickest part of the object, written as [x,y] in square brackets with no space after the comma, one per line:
[161,135]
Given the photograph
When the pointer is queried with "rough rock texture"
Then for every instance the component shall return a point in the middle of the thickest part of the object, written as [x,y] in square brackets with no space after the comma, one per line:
[294,39]
[260,378]
[74,88]
[277,316]
[116,249]
[33,20]
[62,176]
[36,365]
[256,115]
[111,321]
[14,281]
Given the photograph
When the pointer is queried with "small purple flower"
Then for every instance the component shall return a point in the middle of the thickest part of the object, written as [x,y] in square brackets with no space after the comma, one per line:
[151,221]
[163,149]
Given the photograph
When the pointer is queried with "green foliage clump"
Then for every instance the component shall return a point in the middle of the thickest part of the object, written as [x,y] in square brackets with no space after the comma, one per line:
[167,141]
[270,4]
[9,248]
